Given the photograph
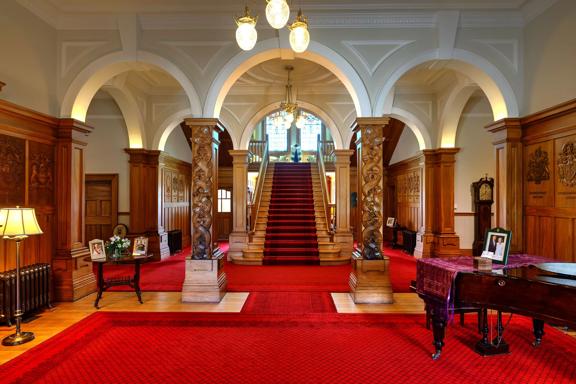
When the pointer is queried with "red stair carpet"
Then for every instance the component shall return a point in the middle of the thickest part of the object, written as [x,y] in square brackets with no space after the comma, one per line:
[291,228]
[116,347]
[168,275]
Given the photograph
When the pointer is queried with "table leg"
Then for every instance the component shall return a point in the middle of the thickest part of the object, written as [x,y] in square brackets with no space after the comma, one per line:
[100,284]
[137,280]
[538,331]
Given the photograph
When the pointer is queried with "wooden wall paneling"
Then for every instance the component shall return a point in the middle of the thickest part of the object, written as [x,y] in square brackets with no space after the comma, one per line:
[539,174]
[101,209]
[564,239]
[406,183]
[565,175]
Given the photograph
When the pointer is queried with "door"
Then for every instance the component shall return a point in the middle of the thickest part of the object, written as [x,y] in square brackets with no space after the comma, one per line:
[101,205]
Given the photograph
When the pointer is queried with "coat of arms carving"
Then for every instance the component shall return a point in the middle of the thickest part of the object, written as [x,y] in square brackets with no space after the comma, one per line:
[538,169]
[567,164]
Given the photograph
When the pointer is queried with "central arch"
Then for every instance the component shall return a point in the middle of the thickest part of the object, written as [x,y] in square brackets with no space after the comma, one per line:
[265,111]
[268,50]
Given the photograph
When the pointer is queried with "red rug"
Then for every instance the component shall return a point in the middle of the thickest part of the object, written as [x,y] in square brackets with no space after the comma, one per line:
[168,275]
[293,303]
[323,348]
[291,226]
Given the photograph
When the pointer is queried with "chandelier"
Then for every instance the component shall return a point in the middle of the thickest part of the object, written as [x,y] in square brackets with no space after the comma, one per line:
[289,111]
[277,14]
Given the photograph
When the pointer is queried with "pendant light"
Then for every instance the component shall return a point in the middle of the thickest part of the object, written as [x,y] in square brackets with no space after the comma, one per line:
[246,34]
[277,13]
[299,35]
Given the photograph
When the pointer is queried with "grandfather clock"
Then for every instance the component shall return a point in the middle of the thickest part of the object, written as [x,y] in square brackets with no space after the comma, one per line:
[482,191]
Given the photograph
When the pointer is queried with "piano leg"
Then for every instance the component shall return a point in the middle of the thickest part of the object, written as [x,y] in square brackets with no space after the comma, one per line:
[538,332]
[438,328]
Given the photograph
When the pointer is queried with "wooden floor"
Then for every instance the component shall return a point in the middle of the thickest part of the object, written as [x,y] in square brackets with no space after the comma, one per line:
[63,315]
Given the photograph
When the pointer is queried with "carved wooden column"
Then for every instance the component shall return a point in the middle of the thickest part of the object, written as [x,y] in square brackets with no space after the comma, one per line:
[343,236]
[439,237]
[508,196]
[145,200]
[238,239]
[73,276]
[205,279]
[369,279]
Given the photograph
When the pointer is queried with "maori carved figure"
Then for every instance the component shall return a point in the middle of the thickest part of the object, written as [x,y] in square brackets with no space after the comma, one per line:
[372,171]
[202,192]
[538,166]
[567,164]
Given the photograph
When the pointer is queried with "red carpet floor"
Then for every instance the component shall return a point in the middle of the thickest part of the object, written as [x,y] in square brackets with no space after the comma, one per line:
[292,303]
[168,275]
[321,348]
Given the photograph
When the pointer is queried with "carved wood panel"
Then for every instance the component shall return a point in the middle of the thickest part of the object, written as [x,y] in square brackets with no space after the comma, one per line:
[41,174]
[406,182]
[12,168]
[176,196]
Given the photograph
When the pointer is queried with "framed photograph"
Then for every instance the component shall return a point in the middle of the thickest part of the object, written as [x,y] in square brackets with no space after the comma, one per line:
[97,250]
[497,245]
[140,246]
[390,222]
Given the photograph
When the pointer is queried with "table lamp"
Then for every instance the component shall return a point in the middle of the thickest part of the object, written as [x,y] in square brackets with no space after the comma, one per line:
[17,224]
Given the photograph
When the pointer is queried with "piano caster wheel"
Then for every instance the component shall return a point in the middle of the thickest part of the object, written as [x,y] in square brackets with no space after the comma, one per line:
[436,355]
[536,343]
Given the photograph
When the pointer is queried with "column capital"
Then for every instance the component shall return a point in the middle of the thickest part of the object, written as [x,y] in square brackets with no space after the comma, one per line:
[213,123]
[343,155]
[73,130]
[239,156]
[362,122]
[505,130]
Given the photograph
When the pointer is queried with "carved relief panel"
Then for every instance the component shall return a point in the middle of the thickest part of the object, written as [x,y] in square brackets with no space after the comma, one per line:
[539,169]
[565,163]
[12,168]
[41,174]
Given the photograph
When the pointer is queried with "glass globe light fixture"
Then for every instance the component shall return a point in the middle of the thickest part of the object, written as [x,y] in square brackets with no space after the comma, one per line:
[300,120]
[277,13]
[246,34]
[299,35]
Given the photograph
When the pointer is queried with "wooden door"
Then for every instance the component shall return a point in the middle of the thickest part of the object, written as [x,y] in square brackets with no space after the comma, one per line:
[101,205]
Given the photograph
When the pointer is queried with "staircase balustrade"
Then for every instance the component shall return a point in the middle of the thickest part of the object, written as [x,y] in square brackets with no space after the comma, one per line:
[329,209]
[255,206]
[256,151]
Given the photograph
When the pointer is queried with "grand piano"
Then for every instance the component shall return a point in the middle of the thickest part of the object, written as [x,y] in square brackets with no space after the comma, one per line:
[528,285]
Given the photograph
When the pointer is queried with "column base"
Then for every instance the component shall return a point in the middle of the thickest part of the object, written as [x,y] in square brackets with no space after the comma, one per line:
[370,281]
[237,241]
[73,275]
[447,246]
[205,280]
[345,241]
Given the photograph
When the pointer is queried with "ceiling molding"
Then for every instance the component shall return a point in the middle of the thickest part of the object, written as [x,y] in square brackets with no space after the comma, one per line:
[393,46]
[534,8]
[72,51]
[214,48]
[511,56]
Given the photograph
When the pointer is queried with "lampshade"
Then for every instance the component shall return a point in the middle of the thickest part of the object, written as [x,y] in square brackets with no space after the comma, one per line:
[246,34]
[277,13]
[299,35]
[18,222]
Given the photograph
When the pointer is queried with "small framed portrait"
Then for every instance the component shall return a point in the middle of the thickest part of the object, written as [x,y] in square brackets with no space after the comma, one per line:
[140,246]
[97,250]
[497,245]
[390,222]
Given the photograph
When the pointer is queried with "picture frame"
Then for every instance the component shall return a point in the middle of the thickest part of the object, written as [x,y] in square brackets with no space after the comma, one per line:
[497,245]
[140,246]
[390,222]
[97,250]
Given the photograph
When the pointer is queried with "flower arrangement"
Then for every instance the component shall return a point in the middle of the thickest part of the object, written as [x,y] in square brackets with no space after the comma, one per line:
[117,245]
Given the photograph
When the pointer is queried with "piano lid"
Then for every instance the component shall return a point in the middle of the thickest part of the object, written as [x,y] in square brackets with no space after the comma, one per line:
[566,269]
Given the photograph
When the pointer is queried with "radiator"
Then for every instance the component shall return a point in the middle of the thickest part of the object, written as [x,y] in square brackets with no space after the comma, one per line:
[35,290]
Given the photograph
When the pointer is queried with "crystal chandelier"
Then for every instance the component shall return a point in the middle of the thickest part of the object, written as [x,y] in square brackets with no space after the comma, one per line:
[277,14]
[289,111]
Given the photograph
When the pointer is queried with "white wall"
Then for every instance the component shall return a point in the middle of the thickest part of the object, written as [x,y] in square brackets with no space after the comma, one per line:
[406,148]
[474,160]
[177,146]
[550,57]
[105,150]
[28,59]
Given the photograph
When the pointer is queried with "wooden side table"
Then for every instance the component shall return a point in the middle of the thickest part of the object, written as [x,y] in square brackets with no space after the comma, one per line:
[132,281]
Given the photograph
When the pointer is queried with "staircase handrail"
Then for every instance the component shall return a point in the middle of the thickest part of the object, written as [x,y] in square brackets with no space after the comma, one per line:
[256,150]
[324,187]
[259,187]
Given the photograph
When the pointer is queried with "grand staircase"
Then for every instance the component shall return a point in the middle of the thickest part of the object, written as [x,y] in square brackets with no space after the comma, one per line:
[291,225]
[291,228]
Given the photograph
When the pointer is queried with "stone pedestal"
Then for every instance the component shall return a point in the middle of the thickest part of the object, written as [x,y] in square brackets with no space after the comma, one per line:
[205,280]
[369,281]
